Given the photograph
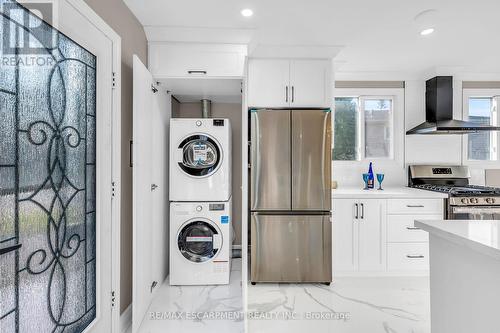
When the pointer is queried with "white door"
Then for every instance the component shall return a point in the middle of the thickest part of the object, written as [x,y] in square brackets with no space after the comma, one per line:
[56,175]
[142,182]
[268,83]
[345,235]
[151,116]
[309,83]
[372,235]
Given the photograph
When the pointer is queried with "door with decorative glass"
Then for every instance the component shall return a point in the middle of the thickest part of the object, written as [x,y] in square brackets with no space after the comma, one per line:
[54,220]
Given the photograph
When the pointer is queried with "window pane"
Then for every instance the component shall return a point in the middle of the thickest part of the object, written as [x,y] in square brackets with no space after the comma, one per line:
[346,125]
[481,145]
[378,127]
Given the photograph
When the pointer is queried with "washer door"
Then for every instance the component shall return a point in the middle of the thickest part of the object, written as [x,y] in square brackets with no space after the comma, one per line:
[201,155]
[199,241]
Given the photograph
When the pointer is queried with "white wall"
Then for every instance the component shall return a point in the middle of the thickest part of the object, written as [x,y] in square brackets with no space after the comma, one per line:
[419,149]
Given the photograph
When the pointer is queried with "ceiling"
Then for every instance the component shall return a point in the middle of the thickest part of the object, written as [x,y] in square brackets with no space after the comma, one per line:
[372,36]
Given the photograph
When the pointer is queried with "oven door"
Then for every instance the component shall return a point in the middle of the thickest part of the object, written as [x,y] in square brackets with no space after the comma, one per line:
[474,213]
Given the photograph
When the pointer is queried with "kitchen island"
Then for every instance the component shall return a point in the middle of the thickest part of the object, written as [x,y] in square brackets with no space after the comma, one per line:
[464,275]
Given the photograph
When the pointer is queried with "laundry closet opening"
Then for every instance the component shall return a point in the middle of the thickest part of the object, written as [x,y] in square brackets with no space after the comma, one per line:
[187,168]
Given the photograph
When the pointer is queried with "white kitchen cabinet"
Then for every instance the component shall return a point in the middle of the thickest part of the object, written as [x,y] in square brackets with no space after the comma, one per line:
[309,83]
[408,246]
[197,60]
[268,83]
[372,235]
[359,241]
[345,240]
[289,83]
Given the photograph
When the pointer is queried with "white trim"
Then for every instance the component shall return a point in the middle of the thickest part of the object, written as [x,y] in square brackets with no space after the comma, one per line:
[466,95]
[126,319]
[97,21]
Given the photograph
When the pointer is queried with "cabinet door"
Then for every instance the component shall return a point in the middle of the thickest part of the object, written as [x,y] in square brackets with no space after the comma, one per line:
[345,235]
[268,82]
[310,83]
[372,235]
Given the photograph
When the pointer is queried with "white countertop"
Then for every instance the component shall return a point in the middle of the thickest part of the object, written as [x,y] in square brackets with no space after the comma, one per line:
[480,236]
[387,193]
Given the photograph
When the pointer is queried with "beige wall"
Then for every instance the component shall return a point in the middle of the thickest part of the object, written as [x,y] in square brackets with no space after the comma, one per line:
[121,19]
[233,113]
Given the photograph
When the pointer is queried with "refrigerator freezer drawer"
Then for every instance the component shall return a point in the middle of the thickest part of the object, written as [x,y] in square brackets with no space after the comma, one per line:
[291,248]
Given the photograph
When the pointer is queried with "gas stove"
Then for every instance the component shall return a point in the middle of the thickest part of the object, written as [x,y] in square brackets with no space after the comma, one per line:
[464,201]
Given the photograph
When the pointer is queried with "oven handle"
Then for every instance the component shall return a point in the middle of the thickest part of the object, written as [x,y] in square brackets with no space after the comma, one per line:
[476,210]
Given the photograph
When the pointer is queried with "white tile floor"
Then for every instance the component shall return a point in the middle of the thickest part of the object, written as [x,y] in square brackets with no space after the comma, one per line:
[372,305]
[350,305]
[195,302]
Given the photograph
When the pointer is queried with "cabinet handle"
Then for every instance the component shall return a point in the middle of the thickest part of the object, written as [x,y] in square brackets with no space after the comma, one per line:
[414,256]
[293,94]
[198,72]
[362,211]
[415,206]
[412,228]
[356,216]
[286,94]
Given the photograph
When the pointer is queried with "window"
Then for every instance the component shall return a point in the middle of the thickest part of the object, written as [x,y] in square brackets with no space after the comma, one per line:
[346,129]
[378,127]
[482,109]
[363,128]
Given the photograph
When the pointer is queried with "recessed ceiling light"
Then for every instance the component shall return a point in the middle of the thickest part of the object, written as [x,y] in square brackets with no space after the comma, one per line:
[427,31]
[247,12]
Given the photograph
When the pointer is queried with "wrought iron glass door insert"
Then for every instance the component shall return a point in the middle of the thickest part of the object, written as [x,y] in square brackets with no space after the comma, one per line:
[47,177]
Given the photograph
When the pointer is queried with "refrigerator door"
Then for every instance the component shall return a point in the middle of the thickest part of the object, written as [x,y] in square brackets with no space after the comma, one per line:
[291,248]
[270,160]
[311,160]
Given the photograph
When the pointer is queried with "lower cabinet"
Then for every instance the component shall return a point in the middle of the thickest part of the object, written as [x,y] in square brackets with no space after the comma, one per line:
[359,235]
[379,236]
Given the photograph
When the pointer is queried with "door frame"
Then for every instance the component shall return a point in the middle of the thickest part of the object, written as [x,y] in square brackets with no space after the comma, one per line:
[87,12]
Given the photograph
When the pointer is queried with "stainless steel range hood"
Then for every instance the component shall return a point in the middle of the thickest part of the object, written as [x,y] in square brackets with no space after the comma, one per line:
[439,111]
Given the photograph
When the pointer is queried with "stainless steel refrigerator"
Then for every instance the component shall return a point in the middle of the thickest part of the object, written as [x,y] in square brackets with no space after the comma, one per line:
[291,195]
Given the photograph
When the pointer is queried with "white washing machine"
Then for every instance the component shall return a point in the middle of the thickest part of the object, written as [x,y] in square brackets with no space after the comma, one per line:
[200,243]
[200,159]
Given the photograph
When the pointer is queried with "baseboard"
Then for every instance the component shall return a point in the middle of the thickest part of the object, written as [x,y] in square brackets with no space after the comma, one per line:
[126,319]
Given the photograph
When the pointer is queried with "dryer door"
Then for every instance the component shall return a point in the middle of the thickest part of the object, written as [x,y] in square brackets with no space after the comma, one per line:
[201,155]
[199,241]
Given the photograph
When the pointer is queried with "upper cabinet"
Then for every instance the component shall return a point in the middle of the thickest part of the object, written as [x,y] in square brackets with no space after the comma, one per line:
[198,60]
[289,83]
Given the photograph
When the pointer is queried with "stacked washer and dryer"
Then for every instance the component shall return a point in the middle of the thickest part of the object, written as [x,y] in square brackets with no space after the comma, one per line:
[200,201]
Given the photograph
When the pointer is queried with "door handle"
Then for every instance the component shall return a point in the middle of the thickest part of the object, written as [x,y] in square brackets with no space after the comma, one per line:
[154,187]
[293,94]
[362,211]
[286,94]
[356,214]
[8,249]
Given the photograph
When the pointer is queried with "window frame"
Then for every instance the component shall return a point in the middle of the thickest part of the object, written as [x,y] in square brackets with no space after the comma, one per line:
[397,154]
[467,94]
